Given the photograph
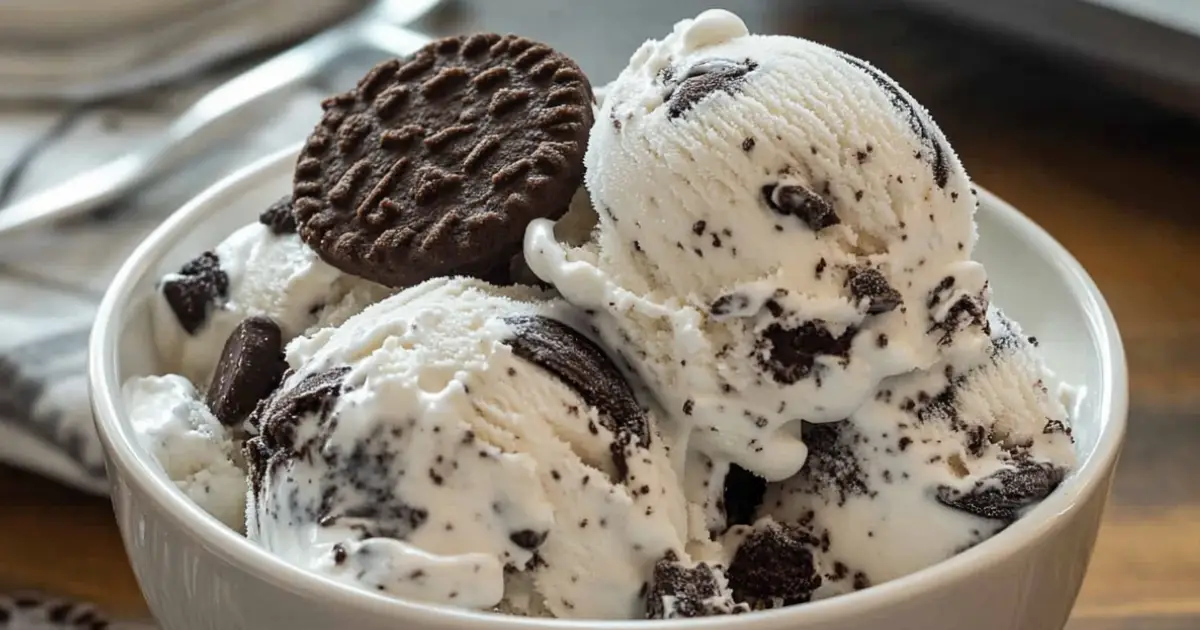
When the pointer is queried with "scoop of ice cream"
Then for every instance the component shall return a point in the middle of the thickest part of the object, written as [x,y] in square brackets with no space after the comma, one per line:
[263,269]
[936,462]
[781,227]
[455,432]
[194,450]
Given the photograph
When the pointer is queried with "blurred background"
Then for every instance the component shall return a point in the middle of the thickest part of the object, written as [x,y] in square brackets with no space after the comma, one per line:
[1084,114]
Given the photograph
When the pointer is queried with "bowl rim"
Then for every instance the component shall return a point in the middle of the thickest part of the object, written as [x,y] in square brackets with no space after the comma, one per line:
[136,469]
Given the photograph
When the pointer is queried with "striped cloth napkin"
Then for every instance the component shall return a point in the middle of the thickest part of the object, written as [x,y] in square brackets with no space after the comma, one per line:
[51,280]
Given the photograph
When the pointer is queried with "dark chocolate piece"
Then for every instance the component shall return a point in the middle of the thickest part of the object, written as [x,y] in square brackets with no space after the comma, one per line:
[582,365]
[250,368]
[774,567]
[199,287]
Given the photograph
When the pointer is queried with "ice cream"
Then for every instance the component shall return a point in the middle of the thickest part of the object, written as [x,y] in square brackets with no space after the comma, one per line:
[195,451]
[261,269]
[753,365]
[936,462]
[457,431]
[781,227]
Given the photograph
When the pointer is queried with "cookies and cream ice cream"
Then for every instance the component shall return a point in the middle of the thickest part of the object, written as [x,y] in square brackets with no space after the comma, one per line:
[193,448]
[934,463]
[753,365]
[459,434]
[781,227]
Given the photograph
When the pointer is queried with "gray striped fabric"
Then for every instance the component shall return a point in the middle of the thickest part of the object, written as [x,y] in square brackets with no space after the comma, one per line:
[34,611]
[52,280]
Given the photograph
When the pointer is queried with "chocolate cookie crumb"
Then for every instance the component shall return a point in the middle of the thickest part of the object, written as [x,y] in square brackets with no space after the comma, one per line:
[677,591]
[528,539]
[832,466]
[867,283]
[1002,495]
[790,354]
[278,217]
[276,418]
[774,567]
[704,79]
[729,304]
[198,288]
[580,364]
[797,201]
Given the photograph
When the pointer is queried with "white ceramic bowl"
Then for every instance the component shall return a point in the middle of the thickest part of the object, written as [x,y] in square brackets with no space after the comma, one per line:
[197,574]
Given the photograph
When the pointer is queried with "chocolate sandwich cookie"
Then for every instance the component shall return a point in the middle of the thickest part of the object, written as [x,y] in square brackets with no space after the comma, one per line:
[434,164]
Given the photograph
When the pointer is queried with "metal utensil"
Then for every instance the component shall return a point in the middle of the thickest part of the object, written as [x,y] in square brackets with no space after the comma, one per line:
[219,115]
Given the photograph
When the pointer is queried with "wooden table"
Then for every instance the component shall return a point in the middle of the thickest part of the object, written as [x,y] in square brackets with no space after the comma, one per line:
[1114,180]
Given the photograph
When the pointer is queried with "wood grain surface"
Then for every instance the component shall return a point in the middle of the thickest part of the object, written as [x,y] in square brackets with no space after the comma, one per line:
[1113,178]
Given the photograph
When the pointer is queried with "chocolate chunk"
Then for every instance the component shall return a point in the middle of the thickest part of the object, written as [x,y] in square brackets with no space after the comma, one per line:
[794,200]
[790,354]
[968,311]
[528,539]
[250,368]
[278,217]
[704,79]
[912,113]
[867,283]
[832,465]
[434,164]
[198,288]
[729,304]
[774,567]
[677,591]
[976,440]
[742,496]
[1056,426]
[1002,495]
[940,292]
[942,406]
[861,581]
[584,367]
[276,418]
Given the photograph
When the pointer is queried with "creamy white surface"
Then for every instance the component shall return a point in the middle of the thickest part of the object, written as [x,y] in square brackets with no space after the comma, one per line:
[194,449]
[432,362]
[900,527]
[653,178]
[276,276]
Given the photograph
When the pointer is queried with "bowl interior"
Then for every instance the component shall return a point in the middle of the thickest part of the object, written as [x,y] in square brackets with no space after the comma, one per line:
[1034,280]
